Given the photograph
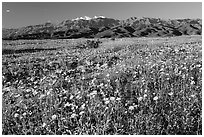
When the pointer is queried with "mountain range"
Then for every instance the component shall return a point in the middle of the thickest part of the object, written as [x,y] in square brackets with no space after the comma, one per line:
[103,27]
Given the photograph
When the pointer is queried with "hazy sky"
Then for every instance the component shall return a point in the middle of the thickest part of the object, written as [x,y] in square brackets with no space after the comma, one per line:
[23,14]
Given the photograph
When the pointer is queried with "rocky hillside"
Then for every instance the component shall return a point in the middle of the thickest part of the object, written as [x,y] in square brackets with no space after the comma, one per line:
[102,27]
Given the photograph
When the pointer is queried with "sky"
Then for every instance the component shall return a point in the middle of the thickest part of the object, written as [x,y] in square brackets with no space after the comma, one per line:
[19,14]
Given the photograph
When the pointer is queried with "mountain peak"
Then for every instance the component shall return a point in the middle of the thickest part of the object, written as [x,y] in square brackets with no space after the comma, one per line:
[87,18]
[95,17]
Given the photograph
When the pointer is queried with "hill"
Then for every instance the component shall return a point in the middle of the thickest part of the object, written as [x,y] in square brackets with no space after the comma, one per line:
[102,27]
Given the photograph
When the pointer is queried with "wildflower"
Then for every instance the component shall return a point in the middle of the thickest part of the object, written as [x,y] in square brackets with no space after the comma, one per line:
[183,76]
[78,97]
[73,107]
[54,117]
[73,115]
[81,113]
[24,114]
[16,115]
[48,93]
[192,82]
[136,106]
[199,65]
[98,66]
[155,98]
[112,98]
[145,95]
[44,124]
[171,93]
[28,90]
[67,104]
[192,96]
[35,92]
[107,101]
[140,99]
[88,62]
[71,97]
[118,99]
[131,107]
[17,95]
[7,89]
[93,93]
[58,71]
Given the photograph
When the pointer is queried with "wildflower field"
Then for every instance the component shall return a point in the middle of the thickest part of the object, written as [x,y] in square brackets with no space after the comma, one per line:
[136,86]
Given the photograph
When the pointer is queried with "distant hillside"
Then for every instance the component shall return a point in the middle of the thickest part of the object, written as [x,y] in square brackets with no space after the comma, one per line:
[102,27]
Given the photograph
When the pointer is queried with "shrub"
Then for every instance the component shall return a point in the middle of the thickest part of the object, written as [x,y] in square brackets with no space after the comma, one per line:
[89,44]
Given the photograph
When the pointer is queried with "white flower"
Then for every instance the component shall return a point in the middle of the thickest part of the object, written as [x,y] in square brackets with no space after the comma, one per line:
[198,65]
[131,107]
[93,93]
[118,99]
[67,104]
[112,98]
[107,101]
[7,89]
[171,93]
[192,82]
[192,96]
[88,62]
[155,98]
[73,115]
[101,84]
[71,97]
[49,91]
[183,76]
[35,92]
[24,114]
[140,99]
[18,95]
[54,117]
[58,71]
[44,124]
[28,90]
[83,70]
[98,66]
[136,106]
[83,106]
[78,96]
[145,95]
[81,113]
[16,115]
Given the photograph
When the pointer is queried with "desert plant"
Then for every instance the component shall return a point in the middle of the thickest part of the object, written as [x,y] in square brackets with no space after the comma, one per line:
[89,44]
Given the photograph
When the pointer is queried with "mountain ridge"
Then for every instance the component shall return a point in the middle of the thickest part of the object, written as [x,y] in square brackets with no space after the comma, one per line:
[103,27]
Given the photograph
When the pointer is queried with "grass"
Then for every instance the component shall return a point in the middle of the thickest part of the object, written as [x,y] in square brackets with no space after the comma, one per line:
[136,86]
